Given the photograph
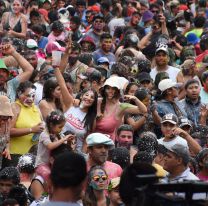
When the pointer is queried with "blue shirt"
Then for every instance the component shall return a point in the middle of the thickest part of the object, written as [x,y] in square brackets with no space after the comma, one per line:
[99,53]
[43,42]
[166,107]
[192,110]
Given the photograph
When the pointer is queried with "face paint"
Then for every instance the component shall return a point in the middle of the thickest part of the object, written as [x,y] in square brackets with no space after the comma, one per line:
[99,180]
[29,98]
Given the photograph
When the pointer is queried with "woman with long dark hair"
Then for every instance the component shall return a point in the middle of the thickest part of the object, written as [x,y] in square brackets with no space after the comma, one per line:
[14,23]
[111,111]
[51,98]
[80,120]
[97,184]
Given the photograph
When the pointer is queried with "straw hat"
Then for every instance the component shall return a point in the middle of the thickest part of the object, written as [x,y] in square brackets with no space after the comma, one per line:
[5,105]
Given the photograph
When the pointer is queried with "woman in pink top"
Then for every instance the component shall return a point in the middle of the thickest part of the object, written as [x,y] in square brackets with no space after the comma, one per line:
[111,111]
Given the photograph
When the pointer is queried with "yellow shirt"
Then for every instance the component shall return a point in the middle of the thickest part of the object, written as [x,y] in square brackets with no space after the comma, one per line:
[160,171]
[28,117]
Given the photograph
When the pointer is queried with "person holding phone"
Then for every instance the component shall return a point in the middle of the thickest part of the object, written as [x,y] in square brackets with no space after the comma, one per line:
[174,135]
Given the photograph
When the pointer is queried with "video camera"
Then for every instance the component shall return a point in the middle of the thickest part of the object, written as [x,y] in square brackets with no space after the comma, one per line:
[151,193]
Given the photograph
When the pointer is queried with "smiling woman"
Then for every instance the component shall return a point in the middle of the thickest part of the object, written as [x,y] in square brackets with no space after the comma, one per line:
[14,23]
[27,121]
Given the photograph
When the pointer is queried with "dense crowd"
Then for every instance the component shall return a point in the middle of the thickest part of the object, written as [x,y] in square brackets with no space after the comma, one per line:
[94,93]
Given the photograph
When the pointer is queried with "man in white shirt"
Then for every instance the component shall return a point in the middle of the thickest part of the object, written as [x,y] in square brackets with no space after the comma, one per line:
[161,60]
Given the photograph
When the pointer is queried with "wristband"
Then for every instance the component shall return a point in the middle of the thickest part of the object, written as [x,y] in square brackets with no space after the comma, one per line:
[30,130]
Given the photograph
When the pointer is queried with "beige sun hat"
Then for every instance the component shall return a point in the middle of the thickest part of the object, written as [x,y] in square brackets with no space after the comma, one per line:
[5,107]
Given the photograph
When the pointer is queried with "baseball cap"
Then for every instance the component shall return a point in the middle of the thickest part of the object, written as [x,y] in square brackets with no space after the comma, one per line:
[3,65]
[188,64]
[144,76]
[166,84]
[31,44]
[99,138]
[103,60]
[98,16]
[179,149]
[184,121]
[192,38]
[163,48]
[169,118]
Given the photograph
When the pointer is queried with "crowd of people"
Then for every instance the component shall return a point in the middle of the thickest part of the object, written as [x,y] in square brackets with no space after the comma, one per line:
[94,93]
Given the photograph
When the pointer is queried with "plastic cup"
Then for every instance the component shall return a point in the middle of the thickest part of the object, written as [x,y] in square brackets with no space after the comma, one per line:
[56,58]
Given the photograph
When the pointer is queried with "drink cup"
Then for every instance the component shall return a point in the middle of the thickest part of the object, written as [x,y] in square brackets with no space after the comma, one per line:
[56,58]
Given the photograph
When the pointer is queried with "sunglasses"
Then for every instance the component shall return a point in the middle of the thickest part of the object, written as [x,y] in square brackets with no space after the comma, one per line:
[97,178]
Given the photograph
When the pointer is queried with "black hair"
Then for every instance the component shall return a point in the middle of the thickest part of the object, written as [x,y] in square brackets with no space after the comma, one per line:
[34,13]
[129,180]
[76,46]
[19,193]
[67,78]
[130,85]
[10,173]
[189,82]
[204,76]
[154,5]
[57,26]
[38,28]
[80,3]
[105,6]
[199,21]
[76,20]
[120,156]
[86,58]
[141,93]
[143,156]
[95,76]
[120,69]
[10,202]
[103,94]
[71,11]
[92,111]
[54,118]
[23,86]
[105,36]
[102,70]
[53,15]
[204,42]
[125,127]
[181,39]
[60,150]
[33,3]
[73,170]
[48,88]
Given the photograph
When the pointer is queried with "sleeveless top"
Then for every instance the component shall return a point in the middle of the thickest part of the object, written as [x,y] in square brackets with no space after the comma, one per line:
[108,125]
[74,123]
[17,27]
[28,117]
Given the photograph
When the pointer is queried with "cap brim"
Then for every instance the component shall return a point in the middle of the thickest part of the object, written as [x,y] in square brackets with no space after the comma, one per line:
[185,124]
[171,121]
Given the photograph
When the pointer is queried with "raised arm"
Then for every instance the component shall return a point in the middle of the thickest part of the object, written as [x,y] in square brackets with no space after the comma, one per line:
[67,97]
[140,108]
[27,68]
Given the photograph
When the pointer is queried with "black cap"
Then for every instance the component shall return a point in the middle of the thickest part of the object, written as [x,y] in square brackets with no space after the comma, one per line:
[144,76]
